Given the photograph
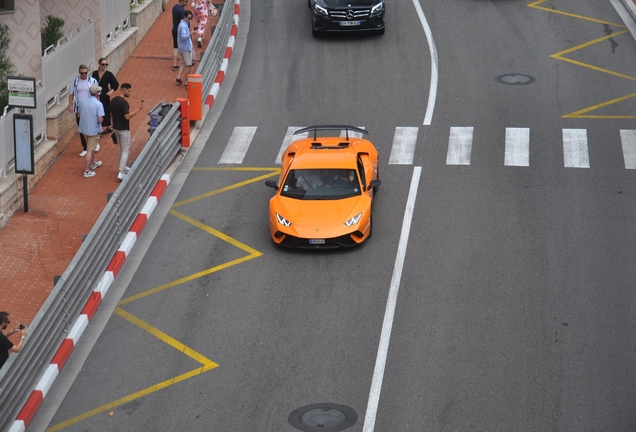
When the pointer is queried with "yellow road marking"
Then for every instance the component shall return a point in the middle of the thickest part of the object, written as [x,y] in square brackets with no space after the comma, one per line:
[579,114]
[253,253]
[536,4]
[560,56]
[166,338]
[130,397]
[273,172]
[207,365]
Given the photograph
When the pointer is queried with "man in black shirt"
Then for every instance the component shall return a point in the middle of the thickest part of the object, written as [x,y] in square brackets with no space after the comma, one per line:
[6,346]
[121,115]
[177,15]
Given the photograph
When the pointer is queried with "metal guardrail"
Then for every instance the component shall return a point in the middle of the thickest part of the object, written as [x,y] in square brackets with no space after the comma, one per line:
[213,58]
[21,373]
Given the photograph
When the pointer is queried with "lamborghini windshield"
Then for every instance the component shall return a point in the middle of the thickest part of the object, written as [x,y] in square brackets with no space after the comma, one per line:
[321,184]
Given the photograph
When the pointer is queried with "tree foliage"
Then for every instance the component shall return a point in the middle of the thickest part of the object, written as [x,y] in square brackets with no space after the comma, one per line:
[6,67]
[52,31]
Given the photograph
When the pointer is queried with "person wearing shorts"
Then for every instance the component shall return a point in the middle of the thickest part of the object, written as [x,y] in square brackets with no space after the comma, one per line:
[91,115]
[184,40]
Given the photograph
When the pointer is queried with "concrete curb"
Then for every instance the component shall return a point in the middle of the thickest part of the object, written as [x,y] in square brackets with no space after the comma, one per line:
[33,403]
[630,5]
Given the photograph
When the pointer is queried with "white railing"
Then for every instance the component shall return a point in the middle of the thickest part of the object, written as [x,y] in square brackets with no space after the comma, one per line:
[60,61]
[7,152]
[115,17]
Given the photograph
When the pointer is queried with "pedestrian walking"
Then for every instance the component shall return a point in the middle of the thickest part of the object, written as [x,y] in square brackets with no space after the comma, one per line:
[121,114]
[91,115]
[80,90]
[184,40]
[177,15]
[6,346]
[202,9]
[107,81]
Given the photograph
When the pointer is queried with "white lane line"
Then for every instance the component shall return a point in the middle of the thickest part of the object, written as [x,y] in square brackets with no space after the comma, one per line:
[628,139]
[289,138]
[517,147]
[237,146]
[432,92]
[575,153]
[403,148]
[385,336]
[460,145]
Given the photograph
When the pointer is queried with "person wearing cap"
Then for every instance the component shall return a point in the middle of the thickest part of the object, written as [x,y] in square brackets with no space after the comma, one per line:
[6,346]
[91,115]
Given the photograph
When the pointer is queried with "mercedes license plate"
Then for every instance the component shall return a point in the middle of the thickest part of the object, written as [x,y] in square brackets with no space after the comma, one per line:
[349,23]
[316,241]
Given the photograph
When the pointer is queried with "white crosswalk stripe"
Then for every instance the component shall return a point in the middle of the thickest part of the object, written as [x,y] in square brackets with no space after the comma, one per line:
[575,154]
[289,138]
[460,145]
[517,147]
[238,145]
[628,140]
[403,148]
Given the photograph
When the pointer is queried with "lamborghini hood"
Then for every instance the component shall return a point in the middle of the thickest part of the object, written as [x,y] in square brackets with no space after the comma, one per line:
[320,213]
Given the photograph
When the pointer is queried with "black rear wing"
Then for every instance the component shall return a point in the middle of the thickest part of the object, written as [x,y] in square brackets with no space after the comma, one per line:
[345,128]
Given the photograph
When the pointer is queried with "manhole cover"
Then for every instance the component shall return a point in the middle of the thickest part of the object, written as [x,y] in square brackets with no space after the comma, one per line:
[515,79]
[323,417]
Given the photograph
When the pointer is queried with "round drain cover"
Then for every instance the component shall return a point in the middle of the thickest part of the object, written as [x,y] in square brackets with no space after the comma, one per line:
[515,79]
[323,417]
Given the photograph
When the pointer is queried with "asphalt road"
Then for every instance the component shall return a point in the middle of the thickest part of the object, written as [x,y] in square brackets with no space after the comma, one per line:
[515,303]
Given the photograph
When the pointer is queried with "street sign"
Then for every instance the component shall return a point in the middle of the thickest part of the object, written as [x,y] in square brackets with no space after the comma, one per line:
[21,92]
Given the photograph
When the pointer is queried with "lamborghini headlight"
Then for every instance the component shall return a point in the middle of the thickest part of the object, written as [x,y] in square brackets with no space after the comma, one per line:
[282,220]
[354,220]
[321,10]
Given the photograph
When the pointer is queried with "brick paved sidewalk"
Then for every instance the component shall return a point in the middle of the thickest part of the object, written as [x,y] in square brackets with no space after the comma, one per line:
[38,245]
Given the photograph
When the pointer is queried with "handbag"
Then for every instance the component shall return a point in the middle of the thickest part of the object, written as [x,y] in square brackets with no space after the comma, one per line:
[114,137]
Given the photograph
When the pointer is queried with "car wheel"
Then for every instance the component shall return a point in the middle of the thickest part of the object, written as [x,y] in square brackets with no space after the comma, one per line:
[309,2]
[380,32]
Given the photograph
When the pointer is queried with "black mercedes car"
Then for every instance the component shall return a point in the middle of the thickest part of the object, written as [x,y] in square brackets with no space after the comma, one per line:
[347,15]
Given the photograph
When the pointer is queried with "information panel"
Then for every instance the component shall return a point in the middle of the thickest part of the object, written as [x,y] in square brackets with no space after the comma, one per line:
[23,144]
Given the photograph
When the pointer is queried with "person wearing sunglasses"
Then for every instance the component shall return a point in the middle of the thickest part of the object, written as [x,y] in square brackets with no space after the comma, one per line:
[79,90]
[6,346]
[184,40]
[107,81]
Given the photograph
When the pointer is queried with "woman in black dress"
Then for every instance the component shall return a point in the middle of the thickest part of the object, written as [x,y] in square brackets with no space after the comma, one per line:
[109,84]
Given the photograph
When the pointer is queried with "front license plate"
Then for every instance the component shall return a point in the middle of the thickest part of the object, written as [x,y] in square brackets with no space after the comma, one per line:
[349,23]
[316,241]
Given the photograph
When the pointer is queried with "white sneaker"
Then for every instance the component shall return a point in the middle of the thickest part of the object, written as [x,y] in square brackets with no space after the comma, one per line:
[97,148]
[127,169]
[82,154]
[89,173]
[121,175]
[96,165]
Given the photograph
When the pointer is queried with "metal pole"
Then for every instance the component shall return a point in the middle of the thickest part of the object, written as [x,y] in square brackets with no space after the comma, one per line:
[25,190]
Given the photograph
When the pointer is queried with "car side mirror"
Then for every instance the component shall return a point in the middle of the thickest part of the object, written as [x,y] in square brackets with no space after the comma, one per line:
[271,183]
[375,183]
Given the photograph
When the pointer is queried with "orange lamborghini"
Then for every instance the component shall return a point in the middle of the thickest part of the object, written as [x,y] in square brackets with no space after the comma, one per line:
[324,195]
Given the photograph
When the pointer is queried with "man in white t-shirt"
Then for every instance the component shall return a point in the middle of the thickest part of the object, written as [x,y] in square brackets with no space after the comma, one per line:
[79,90]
